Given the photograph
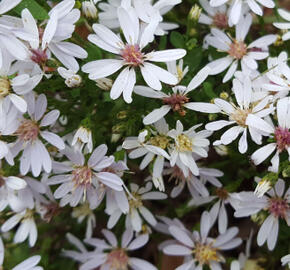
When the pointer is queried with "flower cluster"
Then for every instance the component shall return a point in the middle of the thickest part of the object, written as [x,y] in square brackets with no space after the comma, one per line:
[118,116]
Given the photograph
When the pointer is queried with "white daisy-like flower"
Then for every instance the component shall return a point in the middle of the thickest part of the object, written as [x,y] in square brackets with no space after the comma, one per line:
[44,41]
[137,210]
[236,7]
[280,134]
[28,264]
[82,180]
[130,56]
[177,101]
[109,254]
[71,78]
[145,9]
[278,75]
[35,155]
[275,203]
[216,16]
[238,115]
[152,148]
[26,229]
[284,25]
[83,137]
[218,211]
[186,143]
[198,247]
[236,48]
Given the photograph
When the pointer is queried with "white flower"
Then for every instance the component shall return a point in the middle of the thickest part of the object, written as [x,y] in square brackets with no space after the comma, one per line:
[274,203]
[238,115]
[280,134]
[284,25]
[176,101]
[238,51]
[263,186]
[44,41]
[137,209]
[205,250]
[27,228]
[236,7]
[286,260]
[109,254]
[35,155]
[131,56]
[83,137]
[71,78]
[85,180]
[177,69]
[186,143]
[89,9]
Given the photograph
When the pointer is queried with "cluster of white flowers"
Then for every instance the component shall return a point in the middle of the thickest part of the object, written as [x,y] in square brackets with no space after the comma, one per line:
[46,166]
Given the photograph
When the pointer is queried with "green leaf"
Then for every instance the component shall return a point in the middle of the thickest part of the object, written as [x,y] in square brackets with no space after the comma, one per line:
[36,10]
[177,40]
[208,90]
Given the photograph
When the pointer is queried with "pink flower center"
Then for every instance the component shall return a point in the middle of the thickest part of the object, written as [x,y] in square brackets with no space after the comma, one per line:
[178,175]
[82,176]
[282,137]
[238,49]
[132,55]
[38,56]
[118,259]
[278,207]
[28,130]
[220,20]
[176,103]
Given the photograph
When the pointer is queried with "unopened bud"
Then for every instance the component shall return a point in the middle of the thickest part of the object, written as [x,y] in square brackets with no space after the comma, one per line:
[195,13]
[89,10]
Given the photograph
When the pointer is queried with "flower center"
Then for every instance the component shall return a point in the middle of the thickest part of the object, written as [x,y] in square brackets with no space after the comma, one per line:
[28,130]
[184,143]
[178,175]
[82,176]
[159,141]
[222,193]
[238,49]
[118,259]
[176,103]
[282,137]
[278,207]
[132,55]
[4,86]
[136,201]
[205,253]
[240,116]
[220,20]
[38,56]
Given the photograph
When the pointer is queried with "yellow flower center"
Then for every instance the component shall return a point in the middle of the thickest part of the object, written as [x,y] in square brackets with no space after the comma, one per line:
[159,141]
[206,253]
[184,143]
[240,116]
[135,202]
[4,86]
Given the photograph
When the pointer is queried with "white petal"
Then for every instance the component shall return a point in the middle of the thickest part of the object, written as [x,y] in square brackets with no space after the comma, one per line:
[53,139]
[166,55]
[156,115]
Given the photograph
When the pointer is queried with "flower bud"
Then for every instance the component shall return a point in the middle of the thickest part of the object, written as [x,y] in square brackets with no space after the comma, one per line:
[89,10]
[195,13]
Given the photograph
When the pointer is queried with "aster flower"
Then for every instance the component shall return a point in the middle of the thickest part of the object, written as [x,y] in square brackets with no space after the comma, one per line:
[218,211]
[177,101]
[280,134]
[35,155]
[186,143]
[284,25]
[83,137]
[137,209]
[43,42]
[71,78]
[27,228]
[82,180]
[236,7]
[131,56]
[109,254]
[236,48]
[275,203]
[152,148]
[238,115]
[205,250]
